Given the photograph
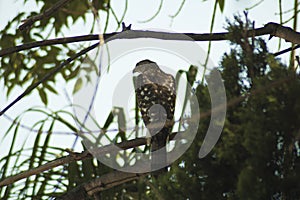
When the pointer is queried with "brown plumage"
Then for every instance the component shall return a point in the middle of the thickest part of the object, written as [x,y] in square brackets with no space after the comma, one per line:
[156,96]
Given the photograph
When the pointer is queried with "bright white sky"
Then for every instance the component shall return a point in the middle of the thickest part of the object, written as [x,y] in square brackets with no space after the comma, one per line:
[195,17]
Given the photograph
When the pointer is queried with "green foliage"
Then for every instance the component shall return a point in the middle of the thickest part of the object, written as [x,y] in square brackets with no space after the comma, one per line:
[23,159]
[27,67]
[257,156]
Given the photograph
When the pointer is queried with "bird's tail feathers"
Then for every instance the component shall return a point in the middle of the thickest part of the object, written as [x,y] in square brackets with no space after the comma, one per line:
[158,155]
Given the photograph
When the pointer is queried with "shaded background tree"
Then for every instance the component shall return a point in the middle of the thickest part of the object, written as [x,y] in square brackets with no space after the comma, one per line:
[257,156]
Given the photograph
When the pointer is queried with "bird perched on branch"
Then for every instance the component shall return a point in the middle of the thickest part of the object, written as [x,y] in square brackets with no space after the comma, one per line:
[156,96]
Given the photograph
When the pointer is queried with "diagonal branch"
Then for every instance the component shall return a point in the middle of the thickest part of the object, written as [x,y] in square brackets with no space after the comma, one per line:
[47,76]
[28,22]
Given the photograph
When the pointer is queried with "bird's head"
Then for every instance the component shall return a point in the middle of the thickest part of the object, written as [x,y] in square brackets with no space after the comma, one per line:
[145,67]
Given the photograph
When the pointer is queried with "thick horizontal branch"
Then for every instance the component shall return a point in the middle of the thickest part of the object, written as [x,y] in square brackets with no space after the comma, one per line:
[76,157]
[271,29]
[283,32]
[73,157]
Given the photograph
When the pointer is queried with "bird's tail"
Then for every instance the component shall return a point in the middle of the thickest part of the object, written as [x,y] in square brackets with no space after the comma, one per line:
[158,154]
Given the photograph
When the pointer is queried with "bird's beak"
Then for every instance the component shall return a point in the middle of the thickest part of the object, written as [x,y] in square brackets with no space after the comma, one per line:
[135,73]
[135,69]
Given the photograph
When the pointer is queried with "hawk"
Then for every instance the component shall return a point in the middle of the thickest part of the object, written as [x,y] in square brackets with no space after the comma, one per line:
[156,96]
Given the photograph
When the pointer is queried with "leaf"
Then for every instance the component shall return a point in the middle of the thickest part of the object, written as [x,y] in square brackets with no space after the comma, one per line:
[108,120]
[78,85]
[121,118]
[178,74]
[38,35]
[49,87]
[9,89]
[73,73]
[191,74]
[221,4]
[9,156]
[43,96]
[121,122]
[100,5]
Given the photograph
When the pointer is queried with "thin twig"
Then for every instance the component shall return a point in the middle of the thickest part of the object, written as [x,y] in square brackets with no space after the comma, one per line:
[209,43]
[295,18]
[155,14]
[178,11]
[124,13]
[280,21]
[286,50]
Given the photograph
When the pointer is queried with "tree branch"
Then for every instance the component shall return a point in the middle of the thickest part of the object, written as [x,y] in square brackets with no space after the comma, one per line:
[273,29]
[73,157]
[286,50]
[45,167]
[47,76]
[97,185]
[28,22]
[76,157]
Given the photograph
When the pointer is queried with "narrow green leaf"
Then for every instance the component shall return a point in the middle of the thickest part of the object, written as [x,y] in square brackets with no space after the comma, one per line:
[221,4]
[49,87]
[78,85]
[43,96]
[177,78]
[191,74]
[73,73]
[38,35]
[33,158]
[121,122]
[9,156]
[108,121]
